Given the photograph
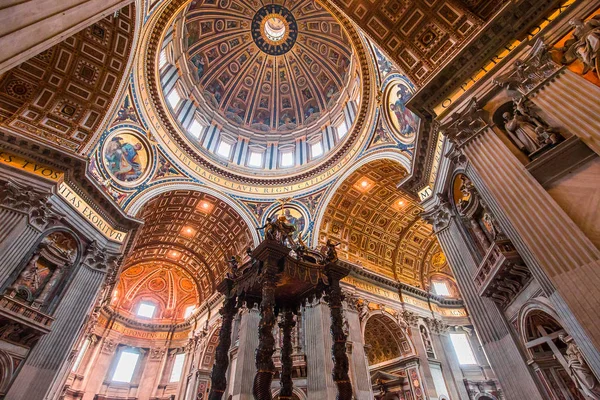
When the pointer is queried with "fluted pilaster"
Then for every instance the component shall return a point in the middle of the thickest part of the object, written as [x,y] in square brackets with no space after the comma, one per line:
[572,101]
[502,350]
[46,358]
[557,252]
[245,367]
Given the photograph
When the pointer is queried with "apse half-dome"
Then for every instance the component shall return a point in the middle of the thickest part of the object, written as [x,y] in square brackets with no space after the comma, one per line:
[261,86]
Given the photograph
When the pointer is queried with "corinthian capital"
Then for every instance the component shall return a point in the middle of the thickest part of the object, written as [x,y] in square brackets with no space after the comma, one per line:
[466,124]
[23,198]
[98,258]
[439,217]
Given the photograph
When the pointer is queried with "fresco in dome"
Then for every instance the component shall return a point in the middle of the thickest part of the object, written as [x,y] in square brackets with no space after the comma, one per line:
[125,157]
[198,63]
[400,117]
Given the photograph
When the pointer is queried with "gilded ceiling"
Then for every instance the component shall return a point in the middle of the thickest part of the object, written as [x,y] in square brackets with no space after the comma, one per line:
[380,227]
[63,94]
[384,340]
[263,85]
[187,236]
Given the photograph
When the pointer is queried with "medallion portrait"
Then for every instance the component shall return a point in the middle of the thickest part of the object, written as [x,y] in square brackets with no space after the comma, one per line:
[126,157]
[400,118]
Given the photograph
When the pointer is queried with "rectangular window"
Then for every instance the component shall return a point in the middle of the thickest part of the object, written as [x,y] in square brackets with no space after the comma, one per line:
[342,129]
[224,149]
[173,98]
[188,311]
[287,159]
[316,149]
[462,348]
[441,288]
[125,366]
[146,310]
[195,129]
[177,367]
[255,159]
[163,59]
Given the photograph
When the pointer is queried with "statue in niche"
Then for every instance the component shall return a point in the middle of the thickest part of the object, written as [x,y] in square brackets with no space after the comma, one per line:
[585,44]
[529,132]
[489,224]
[466,188]
[427,342]
[579,370]
[38,281]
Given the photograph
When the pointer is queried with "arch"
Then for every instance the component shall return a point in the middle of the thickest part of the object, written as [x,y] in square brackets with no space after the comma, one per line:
[145,196]
[379,226]
[401,158]
[536,305]
[208,355]
[6,371]
[386,339]
[184,243]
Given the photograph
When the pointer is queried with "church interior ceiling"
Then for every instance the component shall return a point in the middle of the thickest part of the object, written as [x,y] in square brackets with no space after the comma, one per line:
[261,86]
[62,95]
[387,341]
[181,250]
[380,228]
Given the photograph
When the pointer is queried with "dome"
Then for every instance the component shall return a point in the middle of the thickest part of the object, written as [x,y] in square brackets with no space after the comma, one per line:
[267,69]
[259,95]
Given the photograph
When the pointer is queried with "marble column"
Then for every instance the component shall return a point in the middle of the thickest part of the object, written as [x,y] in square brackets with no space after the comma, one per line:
[31,26]
[152,373]
[559,255]
[41,368]
[502,349]
[427,378]
[359,367]
[450,366]
[245,367]
[317,346]
[572,101]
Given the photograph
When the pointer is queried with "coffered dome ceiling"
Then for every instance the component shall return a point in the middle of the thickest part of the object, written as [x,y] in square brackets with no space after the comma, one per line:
[268,69]
[259,97]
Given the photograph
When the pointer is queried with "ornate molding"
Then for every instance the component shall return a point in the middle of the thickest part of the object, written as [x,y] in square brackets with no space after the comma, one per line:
[25,199]
[465,125]
[439,217]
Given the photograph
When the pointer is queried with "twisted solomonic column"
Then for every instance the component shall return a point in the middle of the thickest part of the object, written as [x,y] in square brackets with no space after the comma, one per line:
[287,385]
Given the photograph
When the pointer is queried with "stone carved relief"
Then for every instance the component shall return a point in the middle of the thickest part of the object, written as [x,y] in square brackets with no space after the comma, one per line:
[109,346]
[157,353]
[25,199]
[579,370]
[95,257]
[436,326]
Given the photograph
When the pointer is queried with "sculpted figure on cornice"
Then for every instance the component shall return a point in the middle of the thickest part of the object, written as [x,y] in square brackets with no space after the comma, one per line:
[585,44]
[529,72]
[579,370]
[527,130]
